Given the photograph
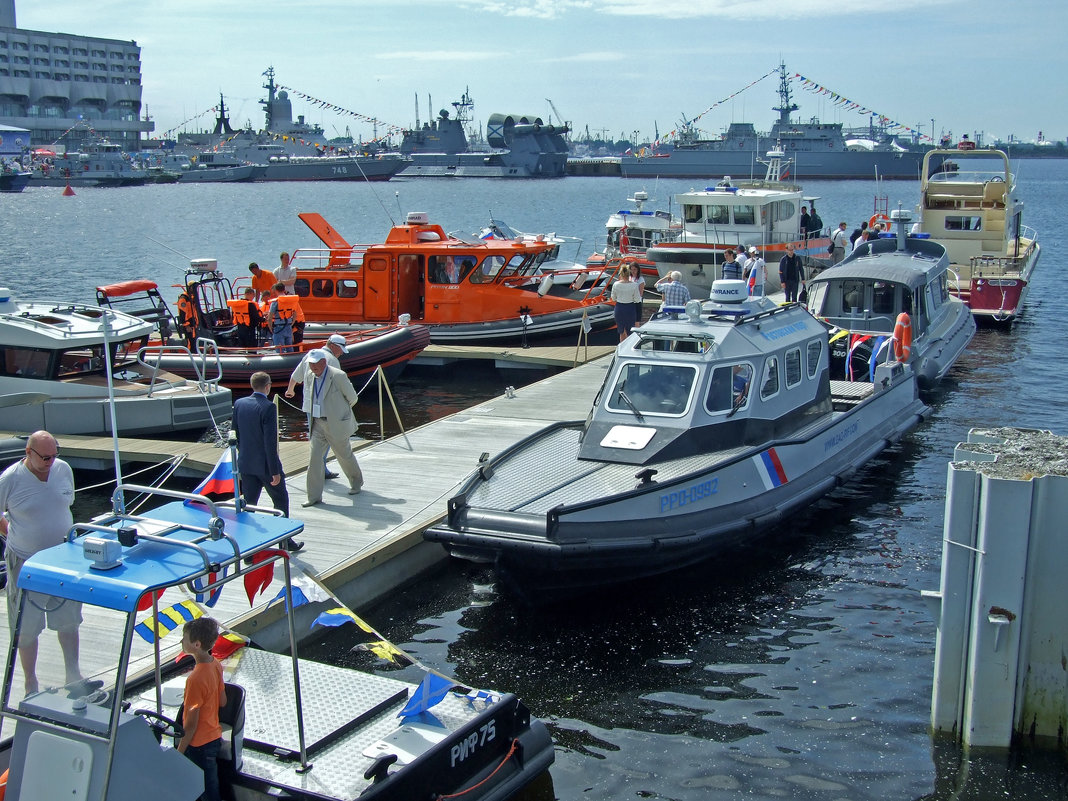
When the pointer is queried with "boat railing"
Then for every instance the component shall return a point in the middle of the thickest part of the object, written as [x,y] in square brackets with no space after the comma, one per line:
[205,363]
[329,258]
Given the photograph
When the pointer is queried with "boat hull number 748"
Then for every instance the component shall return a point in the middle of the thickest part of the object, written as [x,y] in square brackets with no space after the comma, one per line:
[472,742]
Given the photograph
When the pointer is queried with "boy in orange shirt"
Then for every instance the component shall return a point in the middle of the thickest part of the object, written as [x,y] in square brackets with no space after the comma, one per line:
[204,694]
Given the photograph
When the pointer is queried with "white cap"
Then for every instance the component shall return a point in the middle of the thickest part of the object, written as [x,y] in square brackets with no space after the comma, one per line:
[752,249]
[317,355]
[337,339]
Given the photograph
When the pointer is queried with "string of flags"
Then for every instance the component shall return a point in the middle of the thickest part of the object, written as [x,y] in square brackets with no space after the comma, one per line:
[324,104]
[174,131]
[674,132]
[847,104]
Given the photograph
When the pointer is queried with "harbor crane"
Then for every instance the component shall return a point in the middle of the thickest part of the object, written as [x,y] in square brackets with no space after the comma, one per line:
[559,116]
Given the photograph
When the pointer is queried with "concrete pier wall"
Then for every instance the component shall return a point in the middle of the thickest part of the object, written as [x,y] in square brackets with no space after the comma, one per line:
[1001,658]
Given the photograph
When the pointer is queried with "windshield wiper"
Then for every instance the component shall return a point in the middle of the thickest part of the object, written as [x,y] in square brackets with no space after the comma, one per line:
[630,405]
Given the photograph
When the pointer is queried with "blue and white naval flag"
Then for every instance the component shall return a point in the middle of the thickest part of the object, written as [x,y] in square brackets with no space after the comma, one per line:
[430,691]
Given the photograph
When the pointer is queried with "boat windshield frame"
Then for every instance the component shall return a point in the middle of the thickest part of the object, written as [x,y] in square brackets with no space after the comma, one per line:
[664,389]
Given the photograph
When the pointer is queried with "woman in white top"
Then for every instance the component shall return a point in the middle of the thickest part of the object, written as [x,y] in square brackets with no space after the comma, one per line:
[626,296]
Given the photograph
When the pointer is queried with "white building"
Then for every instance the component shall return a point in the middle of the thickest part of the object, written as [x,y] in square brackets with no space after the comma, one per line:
[68,89]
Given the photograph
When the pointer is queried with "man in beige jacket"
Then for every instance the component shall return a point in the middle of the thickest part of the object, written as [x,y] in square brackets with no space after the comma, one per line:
[328,401]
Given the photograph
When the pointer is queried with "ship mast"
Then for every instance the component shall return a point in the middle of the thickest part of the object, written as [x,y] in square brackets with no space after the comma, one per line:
[785,106]
[268,104]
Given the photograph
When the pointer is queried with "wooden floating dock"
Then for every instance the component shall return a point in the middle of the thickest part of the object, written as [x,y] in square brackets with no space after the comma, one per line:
[360,546]
[561,357]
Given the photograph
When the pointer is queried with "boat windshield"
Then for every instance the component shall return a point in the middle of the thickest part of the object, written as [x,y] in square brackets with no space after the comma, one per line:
[652,389]
[55,699]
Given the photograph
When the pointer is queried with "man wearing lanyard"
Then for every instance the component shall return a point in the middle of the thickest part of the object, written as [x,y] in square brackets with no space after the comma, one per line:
[328,401]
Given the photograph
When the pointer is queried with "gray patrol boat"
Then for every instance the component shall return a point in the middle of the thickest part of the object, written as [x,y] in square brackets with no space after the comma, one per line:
[713,424]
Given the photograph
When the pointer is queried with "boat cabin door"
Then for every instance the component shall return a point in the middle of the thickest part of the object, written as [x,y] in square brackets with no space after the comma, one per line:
[411,285]
[377,289]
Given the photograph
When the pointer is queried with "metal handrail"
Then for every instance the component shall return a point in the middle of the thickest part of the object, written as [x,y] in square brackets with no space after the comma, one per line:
[206,349]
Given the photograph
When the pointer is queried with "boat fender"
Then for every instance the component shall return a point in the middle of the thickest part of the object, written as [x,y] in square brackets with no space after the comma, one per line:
[879,218]
[903,337]
[545,285]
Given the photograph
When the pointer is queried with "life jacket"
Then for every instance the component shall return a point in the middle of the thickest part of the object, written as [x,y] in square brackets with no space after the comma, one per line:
[287,307]
[239,311]
[187,311]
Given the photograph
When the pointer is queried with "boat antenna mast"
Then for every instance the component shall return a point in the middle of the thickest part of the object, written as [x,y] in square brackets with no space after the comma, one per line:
[268,104]
[222,121]
[785,106]
[463,107]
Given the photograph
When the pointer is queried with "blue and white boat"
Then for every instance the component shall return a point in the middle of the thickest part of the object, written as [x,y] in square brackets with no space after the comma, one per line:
[889,293]
[712,426]
[293,729]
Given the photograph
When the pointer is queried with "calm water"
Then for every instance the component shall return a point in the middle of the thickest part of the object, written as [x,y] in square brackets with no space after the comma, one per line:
[799,669]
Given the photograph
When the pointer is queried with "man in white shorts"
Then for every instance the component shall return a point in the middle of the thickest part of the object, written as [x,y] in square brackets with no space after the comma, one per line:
[36,494]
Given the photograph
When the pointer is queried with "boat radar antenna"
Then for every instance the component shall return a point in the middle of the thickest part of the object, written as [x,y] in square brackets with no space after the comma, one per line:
[785,106]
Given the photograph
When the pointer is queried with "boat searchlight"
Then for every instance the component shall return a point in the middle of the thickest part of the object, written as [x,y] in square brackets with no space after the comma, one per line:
[693,310]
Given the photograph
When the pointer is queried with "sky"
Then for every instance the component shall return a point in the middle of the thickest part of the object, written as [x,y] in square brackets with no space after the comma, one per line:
[612,67]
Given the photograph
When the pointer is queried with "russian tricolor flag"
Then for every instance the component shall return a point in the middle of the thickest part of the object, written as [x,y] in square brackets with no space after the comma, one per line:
[771,471]
[220,480]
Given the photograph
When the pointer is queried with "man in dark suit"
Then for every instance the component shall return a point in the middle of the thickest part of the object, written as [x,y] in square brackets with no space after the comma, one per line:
[255,422]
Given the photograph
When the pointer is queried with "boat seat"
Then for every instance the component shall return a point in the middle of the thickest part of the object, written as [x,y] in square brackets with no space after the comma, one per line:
[232,722]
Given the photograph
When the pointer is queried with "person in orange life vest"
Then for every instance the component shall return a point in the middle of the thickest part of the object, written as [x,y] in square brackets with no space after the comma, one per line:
[280,317]
[291,300]
[265,308]
[262,281]
[205,694]
[247,317]
[188,319]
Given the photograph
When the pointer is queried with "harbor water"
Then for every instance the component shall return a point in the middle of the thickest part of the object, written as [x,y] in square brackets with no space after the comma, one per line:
[800,667]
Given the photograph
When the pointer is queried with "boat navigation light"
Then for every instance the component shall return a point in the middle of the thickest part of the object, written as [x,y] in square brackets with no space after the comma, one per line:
[693,310]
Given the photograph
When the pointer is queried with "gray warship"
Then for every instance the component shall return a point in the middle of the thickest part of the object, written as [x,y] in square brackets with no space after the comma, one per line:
[818,150]
[518,146]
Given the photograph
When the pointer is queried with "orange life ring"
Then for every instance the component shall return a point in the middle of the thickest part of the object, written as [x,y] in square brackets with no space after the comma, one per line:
[903,337]
[3,785]
[879,218]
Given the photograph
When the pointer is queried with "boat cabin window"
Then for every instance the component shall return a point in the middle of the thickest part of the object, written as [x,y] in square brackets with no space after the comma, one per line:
[320,288]
[792,363]
[769,387]
[817,294]
[26,362]
[443,269]
[852,296]
[729,388]
[674,345]
[513,266]
[745,215]
[815,350]
[81,361]
[956,222]
[652,389]
[882,297]
[347,288]
[785,210]
[487,271]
